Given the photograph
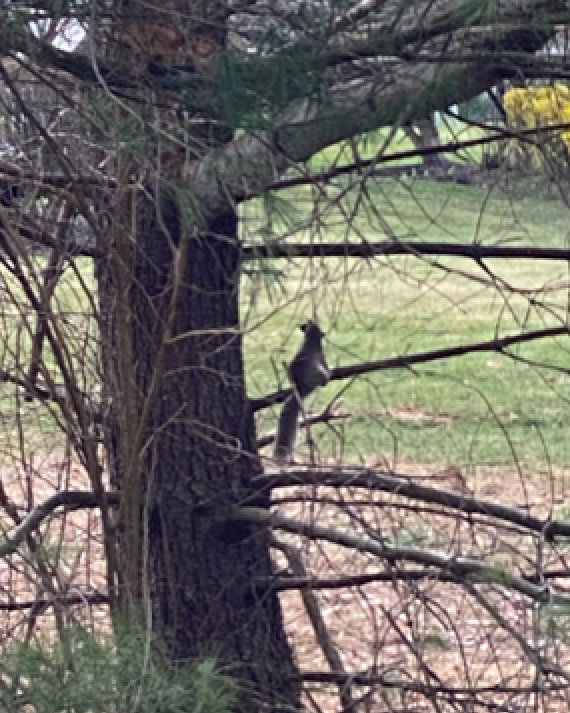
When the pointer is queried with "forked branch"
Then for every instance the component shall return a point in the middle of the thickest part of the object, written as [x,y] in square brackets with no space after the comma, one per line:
[464,568]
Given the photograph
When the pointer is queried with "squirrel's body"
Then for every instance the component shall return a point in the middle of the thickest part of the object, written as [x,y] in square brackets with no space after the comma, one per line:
[307,371]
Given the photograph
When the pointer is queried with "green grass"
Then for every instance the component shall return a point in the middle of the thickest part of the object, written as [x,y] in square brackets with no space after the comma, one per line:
[480,409]
[77,328]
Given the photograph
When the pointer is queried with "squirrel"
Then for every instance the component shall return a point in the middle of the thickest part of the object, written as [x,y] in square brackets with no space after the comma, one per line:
[307,371]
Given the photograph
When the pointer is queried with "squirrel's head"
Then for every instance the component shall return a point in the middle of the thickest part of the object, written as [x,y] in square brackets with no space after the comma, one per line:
[310,328]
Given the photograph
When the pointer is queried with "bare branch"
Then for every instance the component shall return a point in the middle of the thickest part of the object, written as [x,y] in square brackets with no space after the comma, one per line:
[326,416]
[497,133]
[499,344]
[407,487]
[315,615]
[70,499]
[285,583]
[464,568]
[473,251]
[366,679]
[89,598]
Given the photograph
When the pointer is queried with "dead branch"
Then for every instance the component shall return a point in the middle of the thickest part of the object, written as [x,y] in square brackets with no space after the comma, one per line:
[90,599]
[324,417]
[366,679]
[313,609]
[473,251]
[498,133]
[285,583]
[69,499]
[465,568]
[404,486]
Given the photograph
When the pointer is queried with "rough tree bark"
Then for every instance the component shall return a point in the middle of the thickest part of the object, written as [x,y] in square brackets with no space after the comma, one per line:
[181,433]
[205,581]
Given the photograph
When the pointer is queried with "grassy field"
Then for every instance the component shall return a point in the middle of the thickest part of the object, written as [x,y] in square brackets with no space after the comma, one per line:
[477,410]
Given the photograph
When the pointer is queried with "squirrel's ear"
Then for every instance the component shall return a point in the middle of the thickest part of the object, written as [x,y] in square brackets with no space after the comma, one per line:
[312,323]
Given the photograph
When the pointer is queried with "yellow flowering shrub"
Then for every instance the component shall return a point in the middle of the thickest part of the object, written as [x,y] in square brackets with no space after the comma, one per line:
[539,106]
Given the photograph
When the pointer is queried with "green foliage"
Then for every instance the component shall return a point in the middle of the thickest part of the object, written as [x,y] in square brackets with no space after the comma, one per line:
[432,640]
[84,674]
[474,12]
[252,90]
[17,20]
[479,108]
[555,621]
[61,8]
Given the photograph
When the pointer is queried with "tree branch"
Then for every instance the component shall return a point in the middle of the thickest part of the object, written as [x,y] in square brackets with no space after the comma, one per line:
[397,91]
[366,679]
[473,251]
[93,598]
[326,416]
[497,133]
[189,89]
[376,480]
[285,583]
[70,499]
[498,344]
[314,613]
[464,568]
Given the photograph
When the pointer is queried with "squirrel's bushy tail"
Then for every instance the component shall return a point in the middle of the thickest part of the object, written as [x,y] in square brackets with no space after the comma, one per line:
[287,429]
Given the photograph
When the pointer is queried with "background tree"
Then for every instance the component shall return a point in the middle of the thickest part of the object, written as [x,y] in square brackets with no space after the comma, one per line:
[141,151]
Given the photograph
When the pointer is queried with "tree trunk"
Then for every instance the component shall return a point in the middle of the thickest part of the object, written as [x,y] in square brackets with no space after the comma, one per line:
[424,135]
[181,436]
[182,450]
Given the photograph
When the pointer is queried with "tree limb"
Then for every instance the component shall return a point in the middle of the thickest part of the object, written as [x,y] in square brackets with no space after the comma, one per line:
[314,613]
[366,679]
[397,91]
[70,499]
[403,486]
[326,416]
[498,344]
[464,568]
[90,598]
[497,133]
[285,583]
[248,165]
[473,251]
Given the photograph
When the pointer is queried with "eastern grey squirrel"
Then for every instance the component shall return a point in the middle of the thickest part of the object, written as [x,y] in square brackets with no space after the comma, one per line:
[307,371]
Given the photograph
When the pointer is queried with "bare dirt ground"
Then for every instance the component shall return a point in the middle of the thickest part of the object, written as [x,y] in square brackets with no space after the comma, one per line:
[425,631]
[418,632]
